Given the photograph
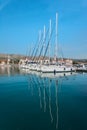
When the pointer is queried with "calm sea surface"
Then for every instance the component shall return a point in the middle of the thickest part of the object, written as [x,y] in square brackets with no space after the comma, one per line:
[37,101]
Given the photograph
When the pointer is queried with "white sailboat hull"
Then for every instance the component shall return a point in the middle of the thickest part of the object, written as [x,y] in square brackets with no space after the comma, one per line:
[56,69]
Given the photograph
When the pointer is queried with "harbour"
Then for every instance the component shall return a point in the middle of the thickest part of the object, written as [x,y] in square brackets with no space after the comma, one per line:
[43,65]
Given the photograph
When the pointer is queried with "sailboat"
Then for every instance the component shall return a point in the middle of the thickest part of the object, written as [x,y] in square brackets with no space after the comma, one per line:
[56,68]
[38,65]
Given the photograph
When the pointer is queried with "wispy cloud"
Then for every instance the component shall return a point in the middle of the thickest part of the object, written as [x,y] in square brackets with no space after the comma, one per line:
[3,4]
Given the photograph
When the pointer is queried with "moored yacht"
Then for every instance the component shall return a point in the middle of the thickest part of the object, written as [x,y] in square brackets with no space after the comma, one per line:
[82,67]
[38,64]
[56,68]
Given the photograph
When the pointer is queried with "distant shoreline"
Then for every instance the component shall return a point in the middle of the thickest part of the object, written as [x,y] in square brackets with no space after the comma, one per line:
[17,57]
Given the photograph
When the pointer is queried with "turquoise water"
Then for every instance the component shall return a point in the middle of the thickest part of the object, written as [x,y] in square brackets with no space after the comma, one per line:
[42,102]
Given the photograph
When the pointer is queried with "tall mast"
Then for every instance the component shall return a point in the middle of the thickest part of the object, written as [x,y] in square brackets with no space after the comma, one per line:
[39,40]
[49,39]
[56,39]
[44,35]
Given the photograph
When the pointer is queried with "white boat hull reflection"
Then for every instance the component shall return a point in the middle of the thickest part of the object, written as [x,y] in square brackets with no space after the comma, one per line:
[48,75]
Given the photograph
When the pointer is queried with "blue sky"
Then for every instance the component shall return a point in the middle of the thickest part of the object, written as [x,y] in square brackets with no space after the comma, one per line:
[20,21]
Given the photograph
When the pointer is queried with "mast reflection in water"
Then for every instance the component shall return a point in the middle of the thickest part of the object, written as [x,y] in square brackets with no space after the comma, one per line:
[30,101]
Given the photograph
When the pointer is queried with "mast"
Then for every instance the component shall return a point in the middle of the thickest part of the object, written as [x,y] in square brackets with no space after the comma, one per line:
[44,36]
[49,40]
[56,39]
[39,42]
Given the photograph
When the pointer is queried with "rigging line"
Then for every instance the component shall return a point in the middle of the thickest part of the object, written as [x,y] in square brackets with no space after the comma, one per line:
[38,46]
[32,54]
[34,48]
[48,42]
[43,44]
